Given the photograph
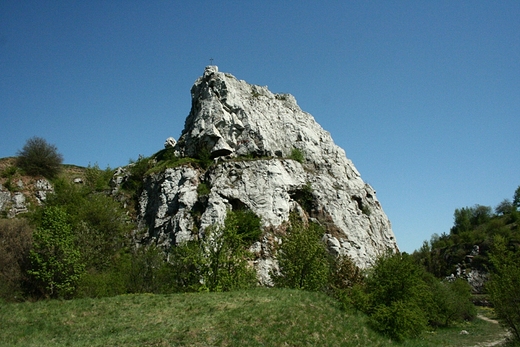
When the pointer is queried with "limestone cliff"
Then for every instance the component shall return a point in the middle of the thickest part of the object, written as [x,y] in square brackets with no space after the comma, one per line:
[250,133]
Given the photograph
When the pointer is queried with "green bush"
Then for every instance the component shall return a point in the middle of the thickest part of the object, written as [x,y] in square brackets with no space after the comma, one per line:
[100,225]
[345,274]
[38,157]
[98,180]
[188,266]
[402,300]
[218,262]
[400,320]
[203,189]
[15,243]
[298,155]
[110,282]
[304,262]
[227,256]
[504,284]
[137,170]
[55,259]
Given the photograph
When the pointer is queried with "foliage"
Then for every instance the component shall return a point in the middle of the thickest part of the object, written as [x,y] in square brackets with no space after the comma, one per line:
[38,157]
[402,300]
[203,189]
[148,271]
[9,171]
[138,170]
[188,267]
[345,274]
[298,155]
[109,282]
[516,198]
[503,285]
[55,259]
[226,253]
[100,225]
[473,226]
[15,243]
[220,261]
[97,179]
[304,262]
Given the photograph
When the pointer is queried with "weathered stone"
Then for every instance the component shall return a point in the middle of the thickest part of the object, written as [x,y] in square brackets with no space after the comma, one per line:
[170,142]
[252,135]
[18,204]
[5,197]
[43,187]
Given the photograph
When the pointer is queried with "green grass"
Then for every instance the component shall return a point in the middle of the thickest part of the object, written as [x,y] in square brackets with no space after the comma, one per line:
[260,317]
[479,332]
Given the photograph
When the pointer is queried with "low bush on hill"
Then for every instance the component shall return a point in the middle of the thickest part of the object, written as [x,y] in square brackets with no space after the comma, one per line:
[38,157]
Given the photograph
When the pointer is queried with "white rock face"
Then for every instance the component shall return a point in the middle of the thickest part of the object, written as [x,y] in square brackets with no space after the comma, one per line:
[251,134]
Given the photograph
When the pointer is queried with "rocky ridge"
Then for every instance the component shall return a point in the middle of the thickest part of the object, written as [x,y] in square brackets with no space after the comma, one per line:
[251,135]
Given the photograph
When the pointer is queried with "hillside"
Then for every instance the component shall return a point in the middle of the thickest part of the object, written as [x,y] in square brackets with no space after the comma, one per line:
[260,317]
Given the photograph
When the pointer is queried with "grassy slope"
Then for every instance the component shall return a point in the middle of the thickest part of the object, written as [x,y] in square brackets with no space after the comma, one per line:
[260,317]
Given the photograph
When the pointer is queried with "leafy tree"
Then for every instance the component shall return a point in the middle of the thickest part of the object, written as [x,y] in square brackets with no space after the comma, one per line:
[304,262]
[462,221]
[38,157]
[97,179]
[55,260]
[503,285]
[226,253]
[516,198]
[402,300]
[218,262]
[100,225]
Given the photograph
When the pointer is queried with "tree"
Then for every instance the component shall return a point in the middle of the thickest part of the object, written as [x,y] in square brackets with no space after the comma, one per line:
[516,198]
[55,260]
[227,255]
[504,283]
[504,208]
[304,262]
[38,157]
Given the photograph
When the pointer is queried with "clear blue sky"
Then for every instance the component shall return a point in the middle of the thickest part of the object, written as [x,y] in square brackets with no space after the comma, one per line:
[424,96]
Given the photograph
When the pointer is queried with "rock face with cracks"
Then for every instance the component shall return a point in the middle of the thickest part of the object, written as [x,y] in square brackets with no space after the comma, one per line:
[270,157]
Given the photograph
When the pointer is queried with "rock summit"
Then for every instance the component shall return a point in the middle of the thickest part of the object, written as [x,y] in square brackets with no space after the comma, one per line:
[267,153]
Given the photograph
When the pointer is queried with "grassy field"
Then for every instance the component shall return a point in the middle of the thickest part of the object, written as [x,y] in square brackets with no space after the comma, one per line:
[260,317]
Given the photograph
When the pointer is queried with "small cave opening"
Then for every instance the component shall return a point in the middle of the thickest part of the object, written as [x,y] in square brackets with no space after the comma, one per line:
[237,204]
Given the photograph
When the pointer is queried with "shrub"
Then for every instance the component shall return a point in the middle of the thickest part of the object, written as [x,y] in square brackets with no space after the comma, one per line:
[303,259]
[97,179]
[110,282]
[400,320]
[218,262]
[297,154]
[188,265]
[16,241]
[138,169]
[345,274]
[227,256]
[100,225]
[401,299]
[203,189]
[38,157]
[55,260]
[503,285]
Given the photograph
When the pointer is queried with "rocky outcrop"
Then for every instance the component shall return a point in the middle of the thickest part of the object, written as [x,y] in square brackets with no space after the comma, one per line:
[270,157]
